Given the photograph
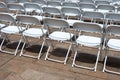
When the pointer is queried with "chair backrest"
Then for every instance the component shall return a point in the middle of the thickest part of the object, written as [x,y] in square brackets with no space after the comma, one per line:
[69,4]
[51,10]
[55,23]
[87,1]
[11,1]
[87,5]
[87,27]
[113,29]
[31,5]
[43,2]
[92,15]
[72,11]
[102,2]
[7,17]
[108,8]
[53,3]
[3,7]
[112,16]
[24,19]
[23,1]
[118,9]
[15,6]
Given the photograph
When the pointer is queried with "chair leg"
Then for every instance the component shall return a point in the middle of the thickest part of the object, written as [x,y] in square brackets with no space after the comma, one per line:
[21,53]
[2,44]
[16,50]
[105,61]
[47,54]
[17,47]
[98,55]
[65,60]
[41,49]
[75,55]
[67,53]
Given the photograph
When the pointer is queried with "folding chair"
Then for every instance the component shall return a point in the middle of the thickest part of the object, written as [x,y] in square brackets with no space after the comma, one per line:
[11,29]
[55,4]
[3,7]
[86,1]
[94,17]
[71,14]
[70,4]
[58,35]
[118,10]
[16,8]
[32,32]
[31,8]
[102,2]
[52,12]
[104,8]
[112,44]
[112,18]
[23,1]
[42,3]
[87,6]
[88,40]
[11,1]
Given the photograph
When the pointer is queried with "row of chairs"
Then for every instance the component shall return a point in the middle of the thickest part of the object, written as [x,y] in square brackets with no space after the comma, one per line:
[85,1]
[65,11]
[36,8]
[82,6]
[24,27]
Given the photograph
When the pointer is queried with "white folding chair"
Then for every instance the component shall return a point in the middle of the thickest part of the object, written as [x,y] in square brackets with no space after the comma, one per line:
[94,17]
[41,2]
[86,1]
[104,8]
[102,2]
[23,1]
[16,8]
[70,4]
[55,4]
[11,29]
[112,18]
[71,14]
[88,40]
[87,6]
[3,7]
[31,8]
[112,44]
[52,12]
[58,35]
[11,1]
[30,33]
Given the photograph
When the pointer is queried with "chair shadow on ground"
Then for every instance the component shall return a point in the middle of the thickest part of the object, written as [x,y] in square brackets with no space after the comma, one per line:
[86,57]
[36,48]
[60,52]
[113,62]
[32,48]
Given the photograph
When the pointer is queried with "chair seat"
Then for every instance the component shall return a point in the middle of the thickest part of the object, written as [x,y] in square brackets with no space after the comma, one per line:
[57,35]
[114,43]
[12,29]
[71,14]
[38,11]
[29,10]
[34,32]
[88,41]
[71,22]
[103,11]
[87,9]
[39,17]
[2,25]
